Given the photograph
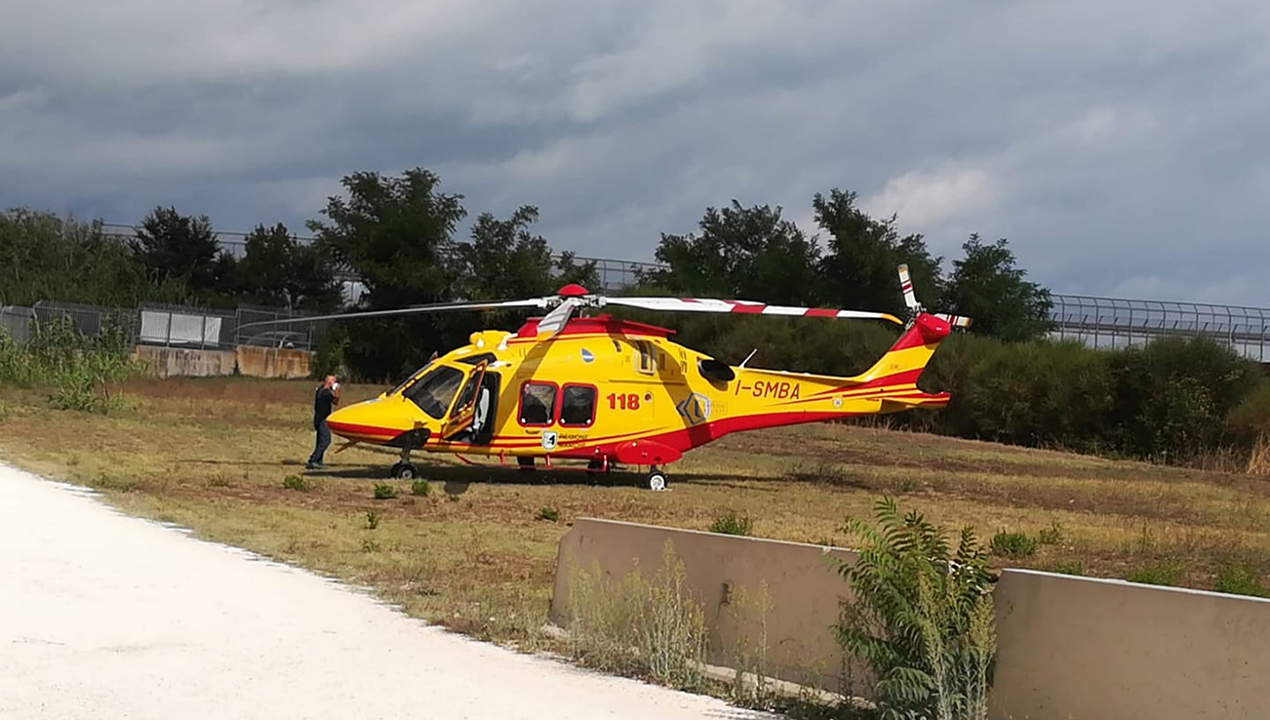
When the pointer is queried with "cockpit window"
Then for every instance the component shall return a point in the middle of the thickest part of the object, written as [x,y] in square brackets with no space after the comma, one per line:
[435,390]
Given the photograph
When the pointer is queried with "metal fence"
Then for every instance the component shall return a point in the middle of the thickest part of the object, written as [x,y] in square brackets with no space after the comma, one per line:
[1106,322]
[165,325]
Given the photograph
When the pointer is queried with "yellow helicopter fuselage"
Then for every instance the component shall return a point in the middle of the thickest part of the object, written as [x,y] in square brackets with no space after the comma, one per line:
[614,391]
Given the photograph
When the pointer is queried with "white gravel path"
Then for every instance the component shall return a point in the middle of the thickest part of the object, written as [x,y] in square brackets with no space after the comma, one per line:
[108,616]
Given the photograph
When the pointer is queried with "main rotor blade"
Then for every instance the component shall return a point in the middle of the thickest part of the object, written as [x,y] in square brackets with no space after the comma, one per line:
[742,307]
[554,321]
[414,309]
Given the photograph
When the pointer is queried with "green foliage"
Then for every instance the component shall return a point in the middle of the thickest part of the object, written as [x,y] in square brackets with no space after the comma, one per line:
[385,491]
[175,247]
[986,285]
[1068,567]
[279,271]
[863,253]
[731,524]
[1239,579]
[422,488]
[372,519]
[1051,535]
[1013,544]
[45,257]
[747,253]
[83,374]
[296,482]
[328,356]
[1164,572]
[922,618]
[549,514]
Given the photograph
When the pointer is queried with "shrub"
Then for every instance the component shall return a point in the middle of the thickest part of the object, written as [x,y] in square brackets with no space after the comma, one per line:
[548,513]
[731,524]
[372,519]
[1240,580]
[296,482]
[1068,567]
[922,618]
[1051,535]
[421,487]
[1013,544]
[385,491]
[1159,573]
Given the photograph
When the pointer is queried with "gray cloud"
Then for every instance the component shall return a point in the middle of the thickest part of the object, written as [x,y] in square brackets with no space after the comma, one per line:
[1116,145]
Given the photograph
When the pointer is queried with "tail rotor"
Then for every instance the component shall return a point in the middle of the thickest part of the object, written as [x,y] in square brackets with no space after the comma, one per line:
[915,308]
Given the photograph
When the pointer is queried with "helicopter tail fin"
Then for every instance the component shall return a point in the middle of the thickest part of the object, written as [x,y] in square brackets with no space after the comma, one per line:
[897,371]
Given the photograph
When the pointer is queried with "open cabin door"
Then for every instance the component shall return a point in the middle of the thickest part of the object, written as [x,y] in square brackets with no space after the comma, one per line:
[467,404]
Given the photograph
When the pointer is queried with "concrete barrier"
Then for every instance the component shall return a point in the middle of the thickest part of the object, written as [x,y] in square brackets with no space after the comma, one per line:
[272,362]
[184,362]
[803,589]
[1092,649]
[1069,648]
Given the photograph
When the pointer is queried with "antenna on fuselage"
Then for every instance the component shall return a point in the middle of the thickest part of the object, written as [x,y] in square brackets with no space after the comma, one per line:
[747,357]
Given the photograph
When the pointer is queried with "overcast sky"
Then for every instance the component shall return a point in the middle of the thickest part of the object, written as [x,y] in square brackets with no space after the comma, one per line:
[1121,147]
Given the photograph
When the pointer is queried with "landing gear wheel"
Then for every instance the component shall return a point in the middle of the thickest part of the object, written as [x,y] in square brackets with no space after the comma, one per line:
[657,480]
[404,471]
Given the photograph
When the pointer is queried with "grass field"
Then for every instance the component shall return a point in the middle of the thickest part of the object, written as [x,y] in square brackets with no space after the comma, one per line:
[476,554]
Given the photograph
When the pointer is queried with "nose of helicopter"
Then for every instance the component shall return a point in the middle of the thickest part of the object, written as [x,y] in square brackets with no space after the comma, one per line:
[376,421]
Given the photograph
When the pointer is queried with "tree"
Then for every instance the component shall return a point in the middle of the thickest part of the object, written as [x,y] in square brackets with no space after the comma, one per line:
[859,269]
[505,260]
[396,235]
[176,247]
[46,257]
[278,270]
[744,253]
[986,285]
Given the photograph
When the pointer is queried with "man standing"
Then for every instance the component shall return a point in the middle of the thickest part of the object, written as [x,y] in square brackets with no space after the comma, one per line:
[326,396]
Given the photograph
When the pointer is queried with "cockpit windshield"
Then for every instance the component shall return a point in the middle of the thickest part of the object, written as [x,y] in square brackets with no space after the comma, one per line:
[434,391]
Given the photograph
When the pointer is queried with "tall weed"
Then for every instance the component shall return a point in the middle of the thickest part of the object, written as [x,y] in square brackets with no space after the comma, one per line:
[643,626]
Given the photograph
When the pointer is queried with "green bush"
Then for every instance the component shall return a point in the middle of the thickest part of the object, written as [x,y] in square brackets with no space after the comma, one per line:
[1237,579]
[296,482]
[1013,544]
[385,491]
[549,514]
[1051,535]
[922,618]
[372,519]
[731,524]
[421,487]
[1068,567]
[1167,572]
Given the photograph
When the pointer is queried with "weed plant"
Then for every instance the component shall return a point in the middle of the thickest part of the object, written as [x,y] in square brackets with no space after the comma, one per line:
[922,617]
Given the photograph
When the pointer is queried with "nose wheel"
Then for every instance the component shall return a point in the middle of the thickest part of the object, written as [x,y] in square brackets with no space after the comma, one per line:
[404,471]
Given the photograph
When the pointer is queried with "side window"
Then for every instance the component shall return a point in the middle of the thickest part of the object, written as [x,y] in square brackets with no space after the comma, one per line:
[577,405]
[537,402]
[646,363]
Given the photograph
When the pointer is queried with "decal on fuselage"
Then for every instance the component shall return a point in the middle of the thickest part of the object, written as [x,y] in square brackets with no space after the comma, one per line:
[695,409]
[777,389]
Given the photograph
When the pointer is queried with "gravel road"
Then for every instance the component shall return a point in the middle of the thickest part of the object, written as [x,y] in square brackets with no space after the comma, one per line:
[108,616]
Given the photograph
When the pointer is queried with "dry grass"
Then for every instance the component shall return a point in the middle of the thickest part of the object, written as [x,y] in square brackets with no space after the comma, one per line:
[473,554]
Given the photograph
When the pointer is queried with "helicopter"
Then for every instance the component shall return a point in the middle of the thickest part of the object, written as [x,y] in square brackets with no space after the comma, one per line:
[612,392]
